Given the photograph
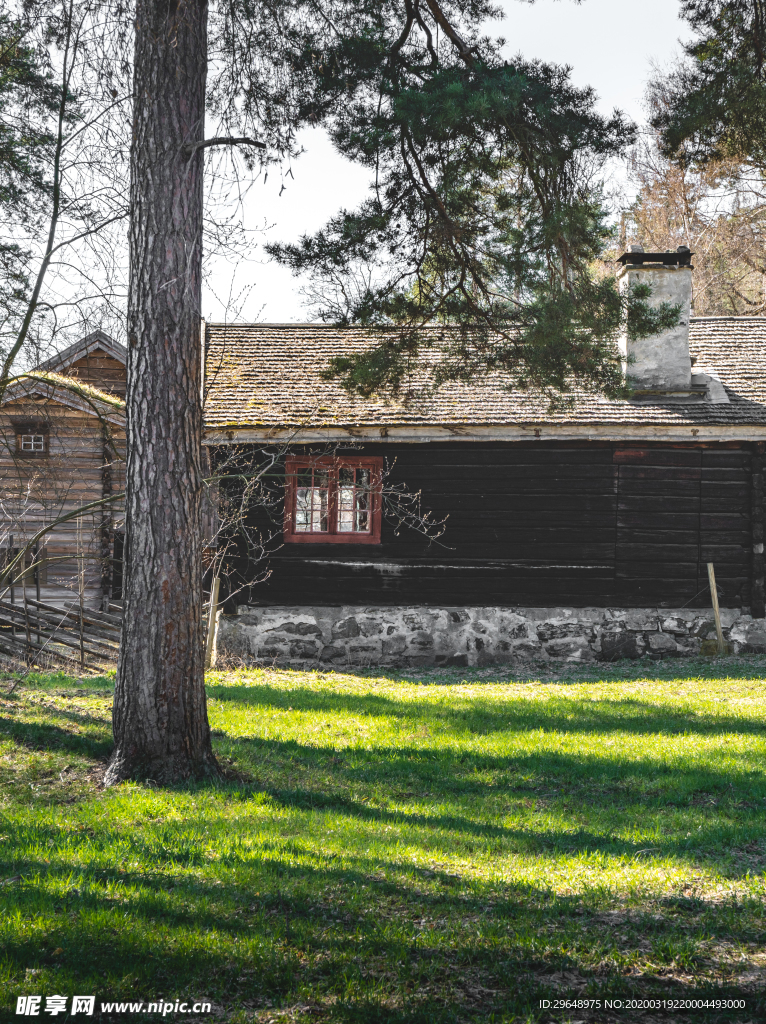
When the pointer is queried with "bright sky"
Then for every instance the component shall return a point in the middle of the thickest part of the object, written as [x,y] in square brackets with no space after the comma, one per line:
[610,45]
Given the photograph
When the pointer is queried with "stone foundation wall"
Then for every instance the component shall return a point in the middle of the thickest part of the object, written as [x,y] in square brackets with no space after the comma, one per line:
[411,637]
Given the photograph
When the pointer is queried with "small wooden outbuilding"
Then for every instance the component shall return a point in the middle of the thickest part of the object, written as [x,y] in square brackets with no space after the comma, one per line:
[62,427]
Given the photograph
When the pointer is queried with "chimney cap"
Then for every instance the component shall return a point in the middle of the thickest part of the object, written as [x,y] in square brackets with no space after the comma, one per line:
[682,257]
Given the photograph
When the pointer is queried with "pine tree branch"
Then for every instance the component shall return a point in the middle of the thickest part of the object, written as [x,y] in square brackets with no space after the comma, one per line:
[464,51]
[222,140]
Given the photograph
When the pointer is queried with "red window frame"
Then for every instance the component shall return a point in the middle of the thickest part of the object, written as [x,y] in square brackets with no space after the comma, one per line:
[333,465]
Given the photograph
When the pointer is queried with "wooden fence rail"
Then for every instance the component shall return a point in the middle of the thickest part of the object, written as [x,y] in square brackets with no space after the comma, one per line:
[44,634]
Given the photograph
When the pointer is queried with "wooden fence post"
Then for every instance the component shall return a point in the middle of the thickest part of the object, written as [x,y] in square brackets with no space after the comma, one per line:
[212,607]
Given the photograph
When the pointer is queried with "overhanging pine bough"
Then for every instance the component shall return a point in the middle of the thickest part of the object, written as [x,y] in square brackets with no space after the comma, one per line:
[486,212]
[713,106]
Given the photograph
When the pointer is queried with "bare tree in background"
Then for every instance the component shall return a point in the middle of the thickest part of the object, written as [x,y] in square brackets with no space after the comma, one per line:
[718,209]
[68,259]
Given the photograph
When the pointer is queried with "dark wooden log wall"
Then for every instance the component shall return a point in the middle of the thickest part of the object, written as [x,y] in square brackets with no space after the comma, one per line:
[544,523]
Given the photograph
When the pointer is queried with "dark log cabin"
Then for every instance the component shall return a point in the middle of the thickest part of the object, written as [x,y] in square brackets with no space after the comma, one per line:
[62,428]
[561,527]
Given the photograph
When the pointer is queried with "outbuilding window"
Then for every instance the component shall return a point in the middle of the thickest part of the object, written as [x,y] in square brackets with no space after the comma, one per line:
[32,444]
[333,500]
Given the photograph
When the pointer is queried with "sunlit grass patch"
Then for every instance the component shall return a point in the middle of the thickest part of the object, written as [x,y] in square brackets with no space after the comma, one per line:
[430,848]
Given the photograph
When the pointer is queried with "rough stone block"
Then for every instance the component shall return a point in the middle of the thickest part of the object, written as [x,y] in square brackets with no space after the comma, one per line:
[702,628]
[345,629]
[354,649]
[459,617]
[612,625]
[559,630]
[422,641]
[689,646]
[415,623]
[676,626]
[526,649]
[738,632]
[623,644]
[662,645]
[331,653]
[394,645]
[296,628]
[571,648]
[756,639]
[270,653]
[453,661]
[369,626]
[304,649]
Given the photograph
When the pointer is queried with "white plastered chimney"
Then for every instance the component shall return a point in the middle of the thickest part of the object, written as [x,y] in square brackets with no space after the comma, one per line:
[660,363]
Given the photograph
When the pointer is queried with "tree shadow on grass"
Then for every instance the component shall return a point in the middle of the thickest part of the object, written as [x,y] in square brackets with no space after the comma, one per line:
[573,673]
[615,777]
[141,943]
[571,788]
[45,736]
[123,935]
[482,717]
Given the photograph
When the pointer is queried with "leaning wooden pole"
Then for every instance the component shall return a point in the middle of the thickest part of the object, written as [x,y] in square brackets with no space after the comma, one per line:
[716,609]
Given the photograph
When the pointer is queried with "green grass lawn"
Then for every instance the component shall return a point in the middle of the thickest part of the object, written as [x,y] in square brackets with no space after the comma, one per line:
[420,848]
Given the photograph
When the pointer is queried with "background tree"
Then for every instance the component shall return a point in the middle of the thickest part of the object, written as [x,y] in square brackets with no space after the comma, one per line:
[63,178]
[27,105]
[718,210]
[714,102]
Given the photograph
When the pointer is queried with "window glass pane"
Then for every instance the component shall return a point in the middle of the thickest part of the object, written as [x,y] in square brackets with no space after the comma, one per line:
[346,507]
[312,501]
[362,508]
[32,443]
[303,510]
[353,500]
[319,510]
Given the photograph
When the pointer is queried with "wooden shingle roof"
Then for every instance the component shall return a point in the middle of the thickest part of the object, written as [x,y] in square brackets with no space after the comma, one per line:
[262,377]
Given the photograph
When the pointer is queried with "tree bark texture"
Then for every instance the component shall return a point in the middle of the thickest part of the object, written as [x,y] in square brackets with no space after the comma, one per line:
[160,715]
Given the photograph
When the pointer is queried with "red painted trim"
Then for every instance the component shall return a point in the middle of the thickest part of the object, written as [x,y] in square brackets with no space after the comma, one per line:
[334,464]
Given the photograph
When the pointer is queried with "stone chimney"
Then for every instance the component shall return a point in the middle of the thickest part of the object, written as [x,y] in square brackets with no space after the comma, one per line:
[661,364]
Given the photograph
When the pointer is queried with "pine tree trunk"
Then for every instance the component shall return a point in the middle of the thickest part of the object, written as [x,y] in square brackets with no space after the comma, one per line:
[160,715]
